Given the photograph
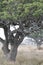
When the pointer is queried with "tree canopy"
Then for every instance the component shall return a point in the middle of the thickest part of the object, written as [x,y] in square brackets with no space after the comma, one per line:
[30,12]
[20,9]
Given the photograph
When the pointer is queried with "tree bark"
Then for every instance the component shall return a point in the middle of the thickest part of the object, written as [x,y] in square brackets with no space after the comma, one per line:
[13,52]
[5,45]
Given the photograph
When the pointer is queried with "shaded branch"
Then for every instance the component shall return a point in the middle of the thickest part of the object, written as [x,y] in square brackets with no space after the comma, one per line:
[1,40]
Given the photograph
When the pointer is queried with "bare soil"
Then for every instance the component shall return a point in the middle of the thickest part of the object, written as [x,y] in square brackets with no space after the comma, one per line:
[27,55]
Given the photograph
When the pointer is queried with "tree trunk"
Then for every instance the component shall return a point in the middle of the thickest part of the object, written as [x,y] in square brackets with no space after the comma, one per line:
[5,48]
[5,45]
[38,46]
[13,52]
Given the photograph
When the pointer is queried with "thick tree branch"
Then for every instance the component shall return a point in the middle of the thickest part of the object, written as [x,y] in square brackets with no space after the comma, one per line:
[1,40]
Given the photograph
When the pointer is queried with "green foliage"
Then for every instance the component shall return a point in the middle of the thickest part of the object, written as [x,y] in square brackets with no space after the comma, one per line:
[37,34]
[18,9]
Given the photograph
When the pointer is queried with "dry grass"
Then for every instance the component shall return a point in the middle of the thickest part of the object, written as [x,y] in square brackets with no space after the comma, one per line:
[27,55]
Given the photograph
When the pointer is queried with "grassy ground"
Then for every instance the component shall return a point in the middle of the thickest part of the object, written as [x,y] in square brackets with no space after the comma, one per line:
[27,55]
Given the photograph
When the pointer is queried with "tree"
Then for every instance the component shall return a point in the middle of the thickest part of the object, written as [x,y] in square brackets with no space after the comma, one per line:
[28,14]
